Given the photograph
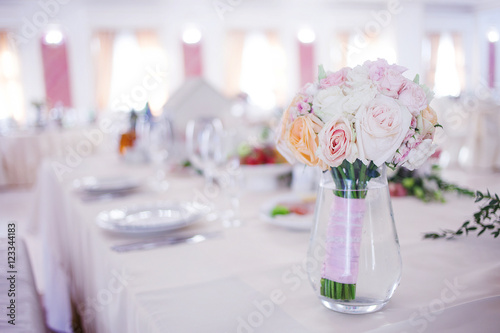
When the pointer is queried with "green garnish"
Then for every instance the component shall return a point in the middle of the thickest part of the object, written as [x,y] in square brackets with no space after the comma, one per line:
[280,210]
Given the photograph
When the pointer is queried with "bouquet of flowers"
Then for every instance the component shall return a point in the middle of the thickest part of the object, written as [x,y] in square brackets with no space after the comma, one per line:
[349,123]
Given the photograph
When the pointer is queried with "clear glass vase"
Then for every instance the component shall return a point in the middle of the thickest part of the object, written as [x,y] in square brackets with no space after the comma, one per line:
[354,258]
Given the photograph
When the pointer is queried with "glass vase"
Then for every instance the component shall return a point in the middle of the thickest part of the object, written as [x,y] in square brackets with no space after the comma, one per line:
[354,258]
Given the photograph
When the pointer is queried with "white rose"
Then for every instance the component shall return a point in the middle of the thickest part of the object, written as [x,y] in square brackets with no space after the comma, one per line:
[381,127]
[328,103]
[358,97]
[417,156]
[356,78]
[309,89]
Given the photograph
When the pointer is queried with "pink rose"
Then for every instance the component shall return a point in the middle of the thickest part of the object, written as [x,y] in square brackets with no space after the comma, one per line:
[334,79]
[404,150]
[417,156]
[303,105]
[335,142]
[381,127]
[389,78]
[411,141]
[413,97]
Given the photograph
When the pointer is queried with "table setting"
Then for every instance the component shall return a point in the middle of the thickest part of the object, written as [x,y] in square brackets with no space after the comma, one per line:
[146,246]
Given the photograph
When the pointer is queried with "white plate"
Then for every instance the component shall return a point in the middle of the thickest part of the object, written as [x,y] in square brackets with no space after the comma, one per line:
[94,185]
[289,221]
[149,218]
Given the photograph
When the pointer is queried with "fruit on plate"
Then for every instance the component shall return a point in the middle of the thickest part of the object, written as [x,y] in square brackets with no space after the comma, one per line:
[259,155]
[303,206]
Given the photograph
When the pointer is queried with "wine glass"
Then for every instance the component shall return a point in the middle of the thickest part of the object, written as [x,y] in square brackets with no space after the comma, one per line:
[230,179]
[203,145]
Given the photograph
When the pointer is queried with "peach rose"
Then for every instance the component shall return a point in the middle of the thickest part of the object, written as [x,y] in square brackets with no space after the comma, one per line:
[430,115]
[336,142]
[426,123]
[302,139]
[281,137]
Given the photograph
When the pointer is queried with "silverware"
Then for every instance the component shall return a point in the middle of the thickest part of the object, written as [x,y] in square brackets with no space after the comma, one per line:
[152,243]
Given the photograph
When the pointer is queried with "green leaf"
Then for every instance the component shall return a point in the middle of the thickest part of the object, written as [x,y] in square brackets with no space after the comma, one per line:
[321,73]
[417,79]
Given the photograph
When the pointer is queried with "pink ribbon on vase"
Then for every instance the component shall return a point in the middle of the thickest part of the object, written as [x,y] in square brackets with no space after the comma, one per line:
[343,240]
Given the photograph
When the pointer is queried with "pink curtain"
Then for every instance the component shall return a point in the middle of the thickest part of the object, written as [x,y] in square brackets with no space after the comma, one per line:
[307,63]
[56,74]
[193,62]
[491,64]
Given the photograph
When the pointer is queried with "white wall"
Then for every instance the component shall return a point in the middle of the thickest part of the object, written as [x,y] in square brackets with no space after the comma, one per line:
[402,31]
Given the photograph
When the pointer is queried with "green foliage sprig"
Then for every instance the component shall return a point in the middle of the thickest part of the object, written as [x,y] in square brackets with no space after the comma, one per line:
[486,219]
[448,187]
[427,187]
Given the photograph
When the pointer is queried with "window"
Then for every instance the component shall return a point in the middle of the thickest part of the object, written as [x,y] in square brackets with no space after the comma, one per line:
[138,71]
[263,70]
[447,82]
[11,93]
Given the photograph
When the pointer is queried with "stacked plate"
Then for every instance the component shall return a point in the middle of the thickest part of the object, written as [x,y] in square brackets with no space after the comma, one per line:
[108,185]
[163,216]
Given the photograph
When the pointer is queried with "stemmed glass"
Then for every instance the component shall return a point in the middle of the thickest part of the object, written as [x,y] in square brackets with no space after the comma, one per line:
[214,151]
[203,144]
[160,145]
[230,179]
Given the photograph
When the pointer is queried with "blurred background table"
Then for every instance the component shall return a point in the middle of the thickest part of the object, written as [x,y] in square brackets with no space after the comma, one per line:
[22,152]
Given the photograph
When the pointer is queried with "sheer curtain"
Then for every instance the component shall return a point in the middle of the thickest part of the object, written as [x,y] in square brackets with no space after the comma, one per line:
[103,58]
[136,72]
[343,39]
[263,69]
[459,58]
[11,92]
[279,67]
[154,60]
[235,41]
[446,79]
[434,46]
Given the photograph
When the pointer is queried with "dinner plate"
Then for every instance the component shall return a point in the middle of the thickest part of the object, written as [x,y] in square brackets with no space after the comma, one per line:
[290,221]
[95,185]
[149,218]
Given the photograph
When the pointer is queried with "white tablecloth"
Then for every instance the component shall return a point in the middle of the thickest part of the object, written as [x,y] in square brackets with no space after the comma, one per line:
[21,153]
[227,284]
